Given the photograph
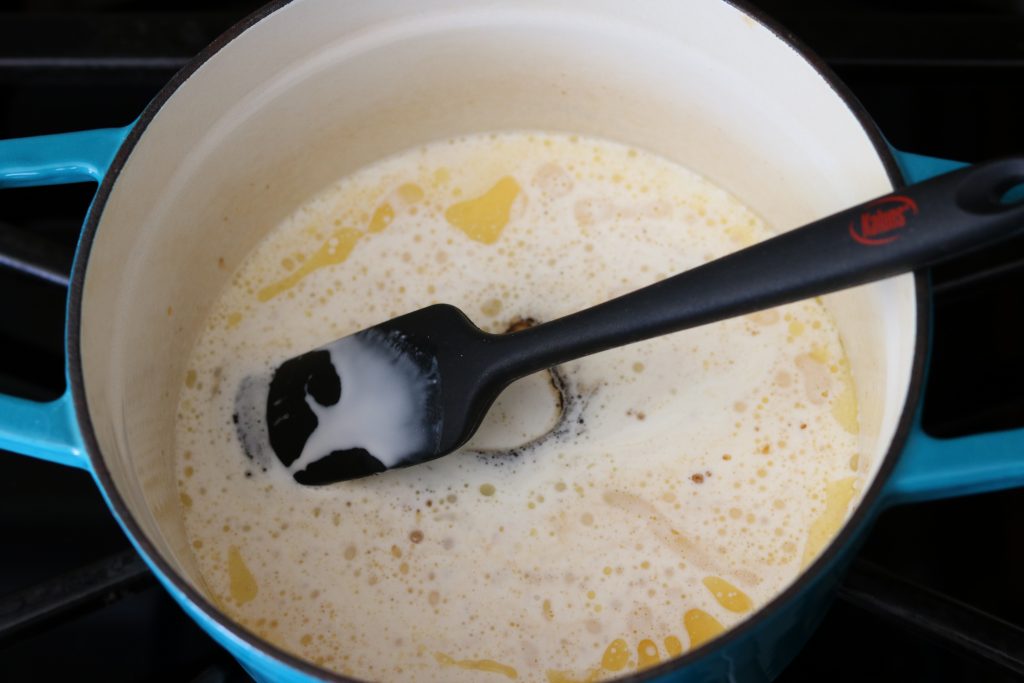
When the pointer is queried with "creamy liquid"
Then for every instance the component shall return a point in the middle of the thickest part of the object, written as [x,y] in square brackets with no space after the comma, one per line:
[684,483]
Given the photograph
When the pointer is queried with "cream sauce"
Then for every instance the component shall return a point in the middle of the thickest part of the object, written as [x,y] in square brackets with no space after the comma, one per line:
[698,474]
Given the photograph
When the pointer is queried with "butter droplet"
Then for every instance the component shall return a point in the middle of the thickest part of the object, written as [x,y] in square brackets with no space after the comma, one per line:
[838,495]
[410,193]
[647,654]
[701,627]
[484,218]
[728,596]
[332,252]
[441,176]
[616,656]
[241,581]
[844,408]
[486,665]
[382,218]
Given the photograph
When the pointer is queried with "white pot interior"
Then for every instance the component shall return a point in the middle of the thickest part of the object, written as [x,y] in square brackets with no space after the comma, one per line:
[320,88]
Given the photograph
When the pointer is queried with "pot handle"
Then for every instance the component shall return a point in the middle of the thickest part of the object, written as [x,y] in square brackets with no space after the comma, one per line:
[77,157]
[931,468]
[49,430]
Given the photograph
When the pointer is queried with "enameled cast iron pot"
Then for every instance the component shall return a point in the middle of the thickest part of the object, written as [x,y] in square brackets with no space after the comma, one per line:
[303,92]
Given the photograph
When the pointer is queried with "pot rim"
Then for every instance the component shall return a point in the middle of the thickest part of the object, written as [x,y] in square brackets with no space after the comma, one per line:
[853,527]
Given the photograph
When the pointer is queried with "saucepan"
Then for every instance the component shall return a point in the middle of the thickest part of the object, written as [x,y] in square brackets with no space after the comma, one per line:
[303,92]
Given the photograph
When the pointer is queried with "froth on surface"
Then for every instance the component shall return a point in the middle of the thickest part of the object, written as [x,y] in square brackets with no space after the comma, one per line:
[704,469]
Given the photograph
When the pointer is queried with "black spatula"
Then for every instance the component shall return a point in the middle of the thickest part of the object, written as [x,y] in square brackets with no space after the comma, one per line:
[417,387]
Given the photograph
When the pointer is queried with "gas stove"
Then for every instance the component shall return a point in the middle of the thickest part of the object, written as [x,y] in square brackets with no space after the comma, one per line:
[936,592]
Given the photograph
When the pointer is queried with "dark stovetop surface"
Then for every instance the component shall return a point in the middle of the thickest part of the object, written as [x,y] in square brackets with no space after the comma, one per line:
[936,594]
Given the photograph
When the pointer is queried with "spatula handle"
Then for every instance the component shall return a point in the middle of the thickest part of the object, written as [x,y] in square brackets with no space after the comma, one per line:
[914,227]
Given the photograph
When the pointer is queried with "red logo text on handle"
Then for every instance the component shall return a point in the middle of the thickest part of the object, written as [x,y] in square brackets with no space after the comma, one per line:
[880,218]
